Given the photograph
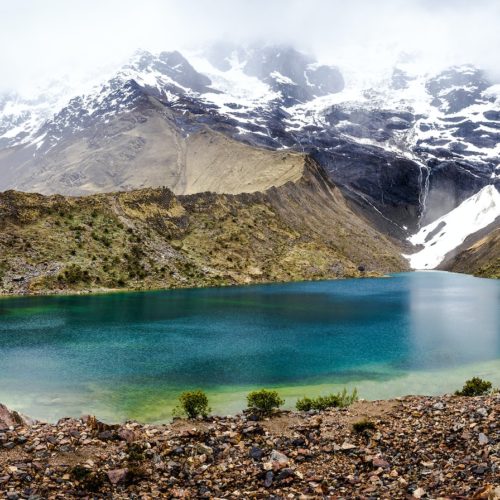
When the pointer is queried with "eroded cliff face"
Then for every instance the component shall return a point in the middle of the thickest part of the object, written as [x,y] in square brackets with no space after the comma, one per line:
[151,238]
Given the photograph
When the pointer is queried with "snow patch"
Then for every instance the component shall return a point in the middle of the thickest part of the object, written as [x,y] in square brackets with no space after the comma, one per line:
[451,230]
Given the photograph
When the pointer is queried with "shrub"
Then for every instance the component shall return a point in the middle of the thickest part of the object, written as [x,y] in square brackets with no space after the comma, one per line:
[362,426]
[74,274]
[263,402]
[192,404]
[475,387]
[339,400]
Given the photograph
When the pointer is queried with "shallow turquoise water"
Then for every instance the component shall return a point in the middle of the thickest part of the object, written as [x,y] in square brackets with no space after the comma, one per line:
[129,355]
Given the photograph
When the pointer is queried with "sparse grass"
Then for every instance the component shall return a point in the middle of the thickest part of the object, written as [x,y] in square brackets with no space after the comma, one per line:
[339,400]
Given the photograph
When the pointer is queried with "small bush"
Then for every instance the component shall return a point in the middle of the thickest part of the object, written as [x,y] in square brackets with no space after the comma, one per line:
[74,274]
[475,387]
[362,426]
[192,404]
[339,400]
[264,402]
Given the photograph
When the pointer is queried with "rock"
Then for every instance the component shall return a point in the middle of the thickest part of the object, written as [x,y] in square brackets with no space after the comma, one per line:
[269,479]
[418,451]
[483,439]
[487,492]
[348,446]
[279,458]
[380,462]
[285,474]
[115,476]
[203,449]
[105,435]
[256,453]
[127,435]
[9,418]
[482,411]
[438,406]
[419,493]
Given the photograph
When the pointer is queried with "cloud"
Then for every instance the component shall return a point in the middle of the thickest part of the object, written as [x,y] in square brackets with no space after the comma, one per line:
[41,38]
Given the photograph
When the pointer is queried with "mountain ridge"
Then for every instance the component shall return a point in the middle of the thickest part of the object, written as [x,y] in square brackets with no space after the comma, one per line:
[151,238]
[404,153]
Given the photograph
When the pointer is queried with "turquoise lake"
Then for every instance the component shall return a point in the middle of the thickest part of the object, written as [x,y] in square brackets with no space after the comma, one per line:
[129,355]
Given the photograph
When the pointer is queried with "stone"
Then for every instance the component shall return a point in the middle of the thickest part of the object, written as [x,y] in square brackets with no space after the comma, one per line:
[482,411]
[380,462]
[269,479]
[419,493]
[278,457]
[105,435]
[483,439]
[285,474]
[115,476]
[127,435]
[9,418]
[256,453]
[348,446]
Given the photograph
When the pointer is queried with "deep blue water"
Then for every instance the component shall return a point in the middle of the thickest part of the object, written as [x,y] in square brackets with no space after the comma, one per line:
[130,354]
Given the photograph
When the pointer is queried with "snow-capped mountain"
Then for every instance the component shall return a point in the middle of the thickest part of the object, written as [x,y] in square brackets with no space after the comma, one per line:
[406,148]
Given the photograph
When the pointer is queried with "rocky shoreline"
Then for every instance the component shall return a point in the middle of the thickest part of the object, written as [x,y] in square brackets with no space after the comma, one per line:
[419,447]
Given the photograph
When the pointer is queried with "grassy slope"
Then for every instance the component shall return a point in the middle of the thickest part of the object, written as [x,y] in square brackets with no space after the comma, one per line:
[152,239]
[482,258]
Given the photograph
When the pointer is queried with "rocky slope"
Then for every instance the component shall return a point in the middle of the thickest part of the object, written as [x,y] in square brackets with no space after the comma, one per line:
[479,255]
[421,447]
[151,238]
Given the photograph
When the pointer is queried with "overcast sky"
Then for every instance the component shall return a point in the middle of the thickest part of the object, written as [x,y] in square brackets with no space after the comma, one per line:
[40,37]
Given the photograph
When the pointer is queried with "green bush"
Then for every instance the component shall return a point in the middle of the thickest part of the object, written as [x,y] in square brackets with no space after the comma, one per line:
[339,400]
[263,402]
[74,274]
[192,404]
[475,387]
[362,426]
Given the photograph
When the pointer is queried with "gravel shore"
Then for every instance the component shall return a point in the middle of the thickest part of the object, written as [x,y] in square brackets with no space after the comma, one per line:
[420,447]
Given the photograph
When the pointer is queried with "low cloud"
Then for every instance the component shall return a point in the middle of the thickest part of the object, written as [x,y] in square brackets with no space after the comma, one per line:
[40,39]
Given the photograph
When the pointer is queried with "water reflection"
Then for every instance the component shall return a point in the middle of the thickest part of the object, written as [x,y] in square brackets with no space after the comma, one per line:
[454,319]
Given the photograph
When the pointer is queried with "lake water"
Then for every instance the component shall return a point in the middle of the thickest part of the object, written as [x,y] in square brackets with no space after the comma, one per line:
[129,355]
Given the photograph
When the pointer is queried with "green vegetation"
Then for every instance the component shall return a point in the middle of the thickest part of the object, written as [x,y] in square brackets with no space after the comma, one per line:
[475,387]
[264,402]
[339,400]
[74,274]
[192,404]
[150,239]
[363,426]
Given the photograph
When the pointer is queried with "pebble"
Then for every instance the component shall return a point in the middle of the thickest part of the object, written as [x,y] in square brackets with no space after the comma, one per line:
[425,447]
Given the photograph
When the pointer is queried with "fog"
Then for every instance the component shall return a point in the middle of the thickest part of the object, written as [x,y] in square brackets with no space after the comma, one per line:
[44,38]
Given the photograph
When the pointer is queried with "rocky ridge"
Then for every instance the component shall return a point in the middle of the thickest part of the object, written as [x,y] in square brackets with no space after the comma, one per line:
[421,447]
